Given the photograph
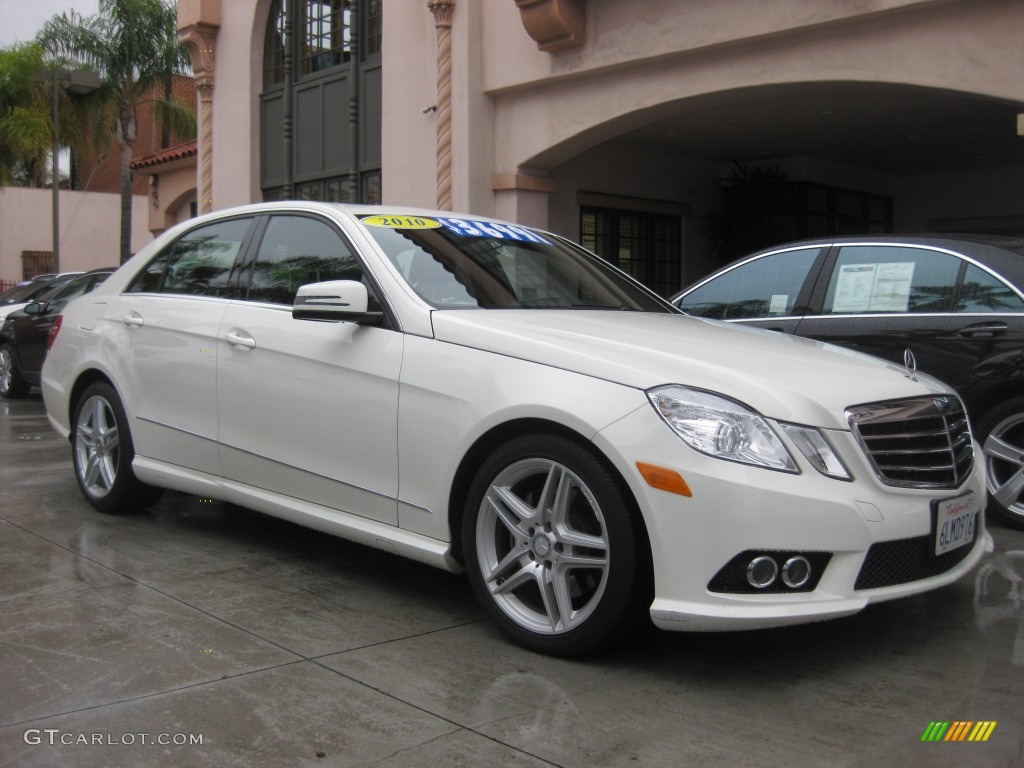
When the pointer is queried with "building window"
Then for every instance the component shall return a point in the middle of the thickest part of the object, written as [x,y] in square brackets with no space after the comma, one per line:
[333,190]
[374,14]
[337,190]
[646,245]
[824,210]
[326,36]
[273,47]
[372,194]
[310,190]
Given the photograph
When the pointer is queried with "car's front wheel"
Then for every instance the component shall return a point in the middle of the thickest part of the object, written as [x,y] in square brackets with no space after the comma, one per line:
[102,450]
[1002,433]
[552,547]
[12,385]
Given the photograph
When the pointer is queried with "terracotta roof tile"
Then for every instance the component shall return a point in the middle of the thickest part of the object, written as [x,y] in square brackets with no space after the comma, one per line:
[169,155]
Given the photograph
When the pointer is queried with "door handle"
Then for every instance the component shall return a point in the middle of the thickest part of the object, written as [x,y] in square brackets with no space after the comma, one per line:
[133,318]
[240,339]
[983,329]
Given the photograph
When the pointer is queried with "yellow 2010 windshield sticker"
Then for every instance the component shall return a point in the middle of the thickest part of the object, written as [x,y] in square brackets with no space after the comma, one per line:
[401,222]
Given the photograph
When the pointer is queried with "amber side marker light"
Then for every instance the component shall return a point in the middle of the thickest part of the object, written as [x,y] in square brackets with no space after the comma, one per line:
[664,479]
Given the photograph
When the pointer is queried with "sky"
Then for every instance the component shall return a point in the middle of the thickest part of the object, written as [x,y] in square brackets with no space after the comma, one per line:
[21,19]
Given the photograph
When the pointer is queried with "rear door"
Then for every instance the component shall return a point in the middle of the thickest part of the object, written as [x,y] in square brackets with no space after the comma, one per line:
[163,331]
[883,299]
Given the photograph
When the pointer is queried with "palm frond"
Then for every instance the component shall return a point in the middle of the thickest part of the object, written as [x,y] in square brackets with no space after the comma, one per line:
[180,117]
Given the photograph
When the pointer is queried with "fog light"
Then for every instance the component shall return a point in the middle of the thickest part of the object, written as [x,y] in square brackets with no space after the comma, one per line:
[796,572]
[761,572]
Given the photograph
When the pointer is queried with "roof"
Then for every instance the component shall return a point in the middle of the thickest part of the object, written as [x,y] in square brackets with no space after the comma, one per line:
[165,156]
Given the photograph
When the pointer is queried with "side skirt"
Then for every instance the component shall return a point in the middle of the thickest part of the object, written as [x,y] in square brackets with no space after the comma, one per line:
[361,530]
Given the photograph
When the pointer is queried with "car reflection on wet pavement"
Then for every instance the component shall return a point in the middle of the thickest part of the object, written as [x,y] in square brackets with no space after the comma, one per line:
[122,639]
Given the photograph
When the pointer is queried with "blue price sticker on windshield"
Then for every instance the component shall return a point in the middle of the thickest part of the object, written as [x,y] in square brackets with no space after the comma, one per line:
[475,228]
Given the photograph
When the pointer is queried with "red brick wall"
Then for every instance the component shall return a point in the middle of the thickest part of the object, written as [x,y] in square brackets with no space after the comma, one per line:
[104,174]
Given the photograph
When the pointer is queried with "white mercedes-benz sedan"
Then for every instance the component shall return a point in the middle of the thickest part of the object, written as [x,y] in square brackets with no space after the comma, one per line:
[483,396]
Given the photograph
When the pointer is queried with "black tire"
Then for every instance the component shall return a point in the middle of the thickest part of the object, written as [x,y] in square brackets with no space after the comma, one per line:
[102,452]
[1001,434]
[12,384]
[563,577]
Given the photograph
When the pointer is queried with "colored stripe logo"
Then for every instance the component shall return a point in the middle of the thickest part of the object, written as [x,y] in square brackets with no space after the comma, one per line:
[959,730]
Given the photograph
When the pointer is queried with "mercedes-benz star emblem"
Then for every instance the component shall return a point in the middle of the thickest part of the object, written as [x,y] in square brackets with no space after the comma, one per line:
[910,363]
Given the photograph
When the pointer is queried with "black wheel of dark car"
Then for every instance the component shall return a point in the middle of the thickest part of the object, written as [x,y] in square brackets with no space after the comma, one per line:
[102,450]
[551,546]
[1001,432]
[12,385]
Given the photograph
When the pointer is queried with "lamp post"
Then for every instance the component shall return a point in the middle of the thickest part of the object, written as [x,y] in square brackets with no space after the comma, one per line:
[76,81]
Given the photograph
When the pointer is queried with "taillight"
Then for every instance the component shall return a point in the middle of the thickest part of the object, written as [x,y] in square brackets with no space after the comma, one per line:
[54,330]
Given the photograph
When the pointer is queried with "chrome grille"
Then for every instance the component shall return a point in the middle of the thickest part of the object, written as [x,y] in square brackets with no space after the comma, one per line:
[922,442]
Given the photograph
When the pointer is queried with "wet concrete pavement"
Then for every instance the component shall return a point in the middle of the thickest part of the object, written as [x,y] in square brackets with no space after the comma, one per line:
[128,641]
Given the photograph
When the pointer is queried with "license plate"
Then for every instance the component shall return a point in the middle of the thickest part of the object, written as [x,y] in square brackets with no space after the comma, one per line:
[954,523]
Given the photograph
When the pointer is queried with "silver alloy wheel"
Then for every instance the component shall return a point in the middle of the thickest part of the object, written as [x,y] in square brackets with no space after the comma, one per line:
[96,447]
[6,369]
[542,546]
[1004,460]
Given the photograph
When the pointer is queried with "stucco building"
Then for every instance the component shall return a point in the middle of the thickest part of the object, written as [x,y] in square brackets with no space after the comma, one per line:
[622,124]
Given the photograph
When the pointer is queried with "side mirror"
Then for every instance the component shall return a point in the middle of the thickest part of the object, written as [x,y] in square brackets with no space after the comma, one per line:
[335,301]
[34,308]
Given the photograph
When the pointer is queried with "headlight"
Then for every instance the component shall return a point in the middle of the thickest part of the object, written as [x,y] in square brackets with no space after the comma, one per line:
[719,427]
[818,451]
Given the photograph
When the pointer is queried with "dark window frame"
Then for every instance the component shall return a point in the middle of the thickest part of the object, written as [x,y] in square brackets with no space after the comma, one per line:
[662,275]
[273,47]
[323,46]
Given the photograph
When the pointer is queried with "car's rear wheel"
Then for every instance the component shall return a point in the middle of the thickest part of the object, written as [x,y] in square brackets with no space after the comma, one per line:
[552,546]
[102,450]
[12,385]
[1002,433]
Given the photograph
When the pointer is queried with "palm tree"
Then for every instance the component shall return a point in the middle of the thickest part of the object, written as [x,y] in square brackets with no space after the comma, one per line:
[26,122]
[133,46]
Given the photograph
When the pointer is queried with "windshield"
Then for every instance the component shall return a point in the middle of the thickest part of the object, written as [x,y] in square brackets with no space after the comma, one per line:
[22,293]
[460,264]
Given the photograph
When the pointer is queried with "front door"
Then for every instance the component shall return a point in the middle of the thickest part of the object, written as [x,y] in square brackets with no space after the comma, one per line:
[308,408]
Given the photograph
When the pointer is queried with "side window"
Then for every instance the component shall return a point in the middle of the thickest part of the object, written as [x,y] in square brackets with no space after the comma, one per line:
[297,250]
[149,279]
[984,292]
[198,263]
[883,278]
[74,290]
[765,287]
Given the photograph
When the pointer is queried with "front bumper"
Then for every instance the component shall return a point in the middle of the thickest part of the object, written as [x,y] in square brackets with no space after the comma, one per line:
[736,508]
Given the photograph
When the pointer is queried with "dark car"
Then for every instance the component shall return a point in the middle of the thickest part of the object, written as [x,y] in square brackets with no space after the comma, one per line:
[27,290]
[24,333]
[955,302]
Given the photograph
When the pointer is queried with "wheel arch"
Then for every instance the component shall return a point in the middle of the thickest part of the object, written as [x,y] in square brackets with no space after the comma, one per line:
[494,437]
[85,379]
[979,407]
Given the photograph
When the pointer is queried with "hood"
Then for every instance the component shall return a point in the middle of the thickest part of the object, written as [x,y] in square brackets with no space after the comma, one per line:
[783,377]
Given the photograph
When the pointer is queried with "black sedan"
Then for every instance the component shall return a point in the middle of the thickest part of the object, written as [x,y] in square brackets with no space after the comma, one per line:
[30,289]
[23,336]
[955,302]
